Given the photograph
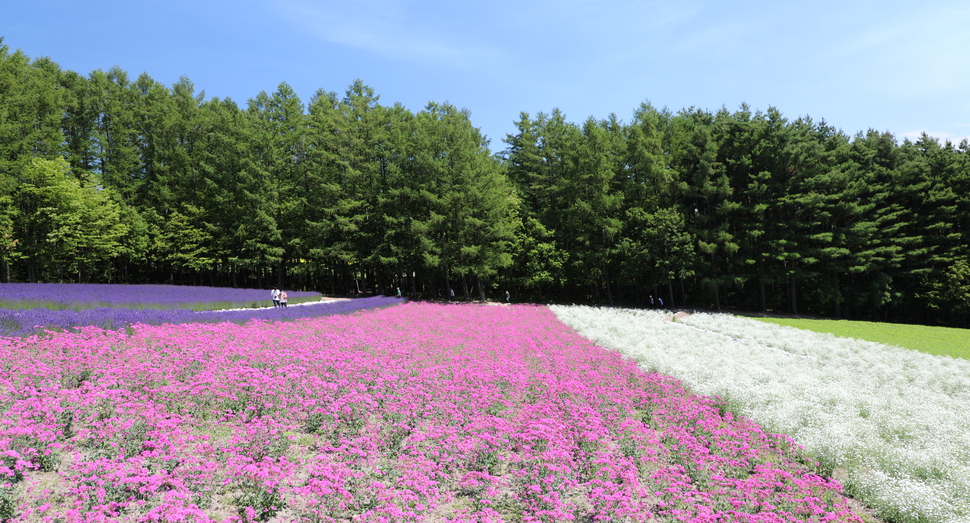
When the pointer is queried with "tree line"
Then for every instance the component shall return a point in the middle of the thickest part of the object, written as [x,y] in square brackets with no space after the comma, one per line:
[745,209]
[108,179]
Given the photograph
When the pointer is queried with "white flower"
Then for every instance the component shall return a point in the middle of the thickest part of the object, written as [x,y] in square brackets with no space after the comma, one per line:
[896,421]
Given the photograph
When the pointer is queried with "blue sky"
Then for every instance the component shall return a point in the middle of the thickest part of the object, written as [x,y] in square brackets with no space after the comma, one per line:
[902,67]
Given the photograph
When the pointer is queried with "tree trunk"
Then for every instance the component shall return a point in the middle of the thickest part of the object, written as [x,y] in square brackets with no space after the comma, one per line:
[609,289]
[792,294]
[838,299]
[449,293]
[481,291]
[761,290]
[717,293]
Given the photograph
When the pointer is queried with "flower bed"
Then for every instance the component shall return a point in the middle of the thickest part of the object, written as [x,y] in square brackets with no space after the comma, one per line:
[892,424]
[78,296]
[412,413]
[26,322]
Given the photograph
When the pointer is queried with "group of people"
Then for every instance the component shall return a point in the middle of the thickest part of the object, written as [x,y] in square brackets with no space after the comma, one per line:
[279,297]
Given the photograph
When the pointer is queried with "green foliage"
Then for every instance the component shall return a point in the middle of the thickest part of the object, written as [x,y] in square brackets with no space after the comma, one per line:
[265,502]
[541,262]
[956,286]
[64,226]
[8,504]
[107,179]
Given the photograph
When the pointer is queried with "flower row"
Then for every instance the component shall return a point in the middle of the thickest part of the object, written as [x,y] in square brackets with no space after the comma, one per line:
[890,423]
[32,321]
[97,295]
[412,413]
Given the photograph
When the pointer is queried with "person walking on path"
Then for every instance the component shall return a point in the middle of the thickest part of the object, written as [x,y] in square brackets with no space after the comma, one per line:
[276,297]
[282,298]
[507,297]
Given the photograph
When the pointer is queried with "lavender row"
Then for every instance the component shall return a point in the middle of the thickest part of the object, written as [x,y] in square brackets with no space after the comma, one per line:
[94,295]
[33,321]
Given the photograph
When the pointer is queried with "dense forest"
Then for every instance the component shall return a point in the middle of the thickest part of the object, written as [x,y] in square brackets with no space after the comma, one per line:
[108,179]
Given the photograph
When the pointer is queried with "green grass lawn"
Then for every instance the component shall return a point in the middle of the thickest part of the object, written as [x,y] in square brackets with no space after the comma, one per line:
[931,340]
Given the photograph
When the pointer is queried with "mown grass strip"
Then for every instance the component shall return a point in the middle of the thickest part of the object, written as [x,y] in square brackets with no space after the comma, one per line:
[939,341]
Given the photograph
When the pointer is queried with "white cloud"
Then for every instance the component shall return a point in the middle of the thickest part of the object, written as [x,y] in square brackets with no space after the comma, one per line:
[610,20]
[390,28]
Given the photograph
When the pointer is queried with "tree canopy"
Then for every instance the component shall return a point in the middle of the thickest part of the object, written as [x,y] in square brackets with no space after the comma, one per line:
[111,180]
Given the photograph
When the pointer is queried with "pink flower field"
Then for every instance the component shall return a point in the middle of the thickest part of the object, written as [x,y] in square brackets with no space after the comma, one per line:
[417,412]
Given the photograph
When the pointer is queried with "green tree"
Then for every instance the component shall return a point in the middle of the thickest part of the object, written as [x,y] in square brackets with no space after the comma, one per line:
[186,247]
[750,149]
[541,262]
[172,147]
[405,203]
[114,135]
[281,125]
[64,226]
[31,106]
[234,207]
[794,244]
[707,203]
[324,132]
[928,186]
[469,227]
[955,288]
[593,202]
[539,160]
[154,116]
[653,224]
[361,156]
[8,242]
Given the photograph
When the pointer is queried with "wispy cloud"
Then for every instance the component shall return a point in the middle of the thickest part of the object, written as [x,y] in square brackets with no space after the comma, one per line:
[611,20]
[391,28]
[920,52]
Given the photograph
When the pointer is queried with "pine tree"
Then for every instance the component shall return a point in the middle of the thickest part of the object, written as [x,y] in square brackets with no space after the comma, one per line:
[707,203]
[281,128]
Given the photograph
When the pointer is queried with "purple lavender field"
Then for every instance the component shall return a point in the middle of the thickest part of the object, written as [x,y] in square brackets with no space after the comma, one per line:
[28,309]
[95,295]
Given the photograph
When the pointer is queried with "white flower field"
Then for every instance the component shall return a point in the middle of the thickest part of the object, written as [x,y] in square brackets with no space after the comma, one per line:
[891,424]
